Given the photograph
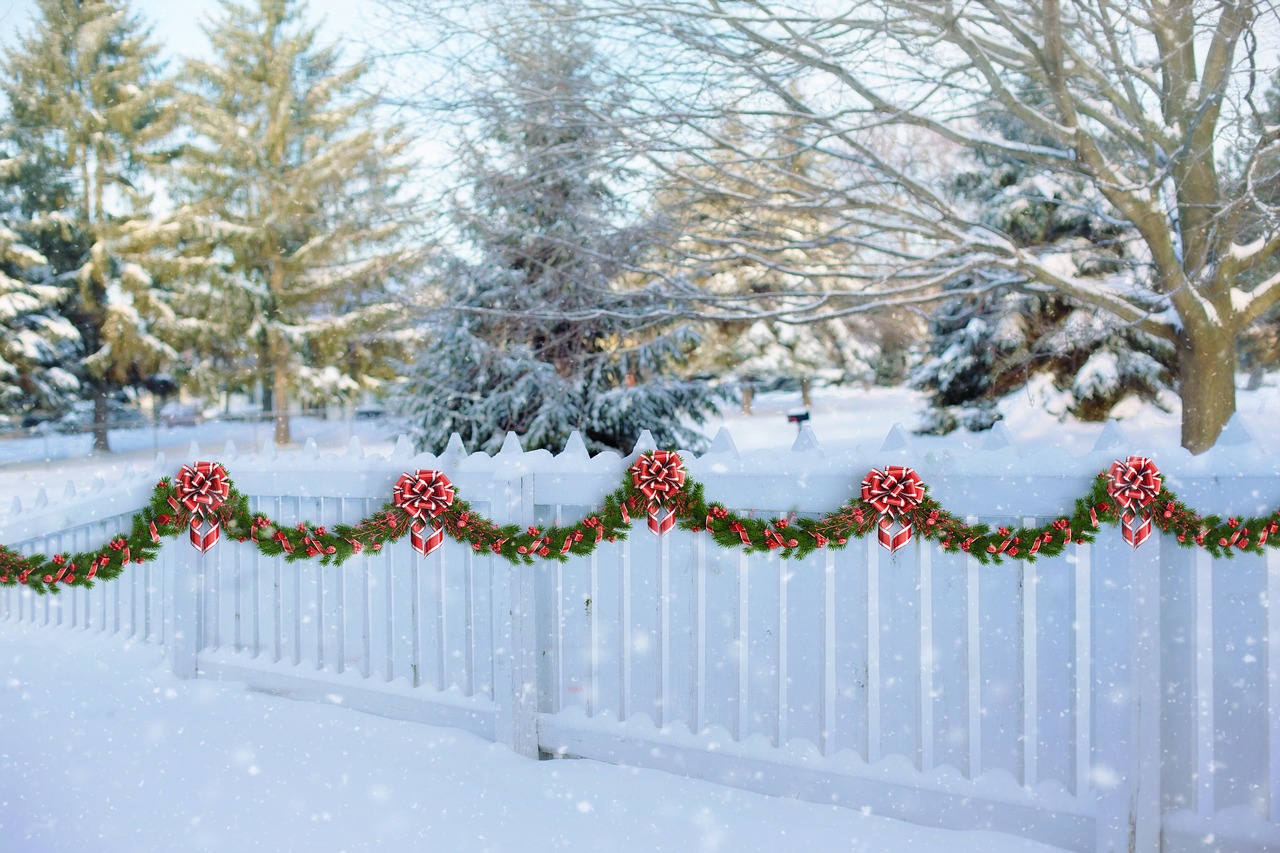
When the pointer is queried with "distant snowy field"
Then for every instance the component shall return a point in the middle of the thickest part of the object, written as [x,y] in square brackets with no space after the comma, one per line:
[102,750]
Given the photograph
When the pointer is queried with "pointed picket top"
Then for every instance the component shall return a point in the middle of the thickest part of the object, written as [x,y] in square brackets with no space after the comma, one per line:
[575,447]
[1112,438]
[228,451]
[268,448]
[403,449]
[998,439]
[99,483]
[129,471]
[42,499]
[1235,433]
[511,446]
[69,491]
[455,449]
[644,443]
[355,450]
[806,441]
[16,506]
[193,451]
[897,439]
[723,443]
[310,450]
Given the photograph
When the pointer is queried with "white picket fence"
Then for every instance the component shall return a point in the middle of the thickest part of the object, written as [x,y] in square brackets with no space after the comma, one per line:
[1108,699]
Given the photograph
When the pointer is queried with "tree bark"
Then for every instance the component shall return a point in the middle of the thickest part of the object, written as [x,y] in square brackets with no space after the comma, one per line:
[100,421]
[1207,368]
[280,397]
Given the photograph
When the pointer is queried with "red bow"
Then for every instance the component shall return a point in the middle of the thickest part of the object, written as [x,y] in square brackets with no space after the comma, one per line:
[893,492]
[422,495]
[1135,484]
[659,476]
[202,488]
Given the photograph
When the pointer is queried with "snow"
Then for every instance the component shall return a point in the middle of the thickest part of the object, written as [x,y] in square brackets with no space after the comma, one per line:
[115,754]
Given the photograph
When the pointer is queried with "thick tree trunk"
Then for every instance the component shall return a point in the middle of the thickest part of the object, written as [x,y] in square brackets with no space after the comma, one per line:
[1207,364]
[100,421]
[281,398]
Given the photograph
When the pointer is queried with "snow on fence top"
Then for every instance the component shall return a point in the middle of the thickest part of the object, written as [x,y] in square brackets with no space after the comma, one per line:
[1002,480]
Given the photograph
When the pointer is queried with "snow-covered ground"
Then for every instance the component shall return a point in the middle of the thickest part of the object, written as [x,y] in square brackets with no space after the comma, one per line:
[102,750]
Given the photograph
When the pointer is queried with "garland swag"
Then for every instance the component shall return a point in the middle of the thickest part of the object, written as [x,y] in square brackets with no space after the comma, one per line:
[894,503]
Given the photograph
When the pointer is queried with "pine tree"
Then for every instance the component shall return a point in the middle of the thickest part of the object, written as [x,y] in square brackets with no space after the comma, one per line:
[289,213]
[986,347]
[36,341]
[88,116]
[548,238]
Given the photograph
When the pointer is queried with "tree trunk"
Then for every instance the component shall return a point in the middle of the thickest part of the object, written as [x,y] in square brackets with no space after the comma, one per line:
[281,399]
[100,421]
[1207,365]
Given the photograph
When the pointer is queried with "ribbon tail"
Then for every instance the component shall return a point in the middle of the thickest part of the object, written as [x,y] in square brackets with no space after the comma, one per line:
[901,538]
[626,516]
[1135,529]
[422,542]
[882,532]
[155,534]
[660,524]
[201,539]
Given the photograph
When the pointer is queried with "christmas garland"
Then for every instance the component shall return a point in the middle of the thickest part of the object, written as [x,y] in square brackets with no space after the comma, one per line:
[894,503]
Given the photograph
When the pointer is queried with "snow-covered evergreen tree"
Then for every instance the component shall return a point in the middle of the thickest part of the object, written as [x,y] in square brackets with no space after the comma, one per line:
[88,113]
[983,348]
[547,238]
[290,215]
[36,341]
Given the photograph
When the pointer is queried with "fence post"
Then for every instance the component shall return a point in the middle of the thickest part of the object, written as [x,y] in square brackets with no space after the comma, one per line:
[515,651]
[184,578]
[1127,698]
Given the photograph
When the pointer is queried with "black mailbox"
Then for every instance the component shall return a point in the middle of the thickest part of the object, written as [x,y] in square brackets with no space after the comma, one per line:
[798,416]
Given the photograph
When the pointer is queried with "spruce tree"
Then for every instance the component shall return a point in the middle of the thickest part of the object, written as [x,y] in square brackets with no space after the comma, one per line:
[290,216]
[547,238]
[36,341]
[88,116]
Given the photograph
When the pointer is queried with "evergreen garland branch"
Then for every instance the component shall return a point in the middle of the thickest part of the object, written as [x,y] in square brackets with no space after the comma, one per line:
[792,536]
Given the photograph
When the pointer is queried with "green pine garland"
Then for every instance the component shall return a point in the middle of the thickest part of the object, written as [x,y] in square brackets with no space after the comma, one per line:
[792,537]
